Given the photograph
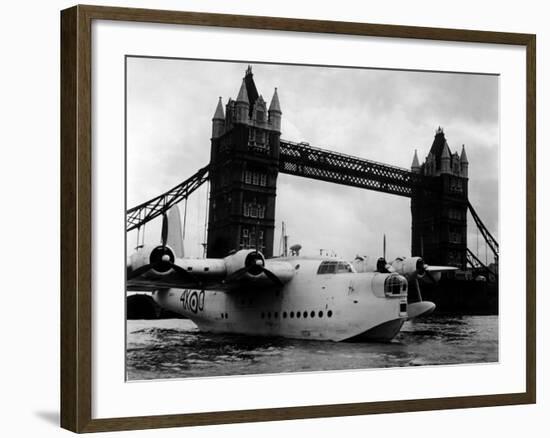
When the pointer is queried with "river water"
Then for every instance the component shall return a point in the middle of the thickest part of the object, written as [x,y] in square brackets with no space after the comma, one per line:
[174,348]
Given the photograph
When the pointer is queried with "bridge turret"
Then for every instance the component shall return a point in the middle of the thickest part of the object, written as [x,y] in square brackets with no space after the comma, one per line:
[218,121]
[439,212]
[275,112]
[244,164]
[463,163]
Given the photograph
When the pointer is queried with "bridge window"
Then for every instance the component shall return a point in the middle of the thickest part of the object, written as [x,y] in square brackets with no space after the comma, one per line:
[254,177]
[455,235]
[456,185]
[258,140]
[245,239]
[248,239]
[456,214]
[253,209]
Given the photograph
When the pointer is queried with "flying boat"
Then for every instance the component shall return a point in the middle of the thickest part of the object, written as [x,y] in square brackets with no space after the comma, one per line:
[299,297]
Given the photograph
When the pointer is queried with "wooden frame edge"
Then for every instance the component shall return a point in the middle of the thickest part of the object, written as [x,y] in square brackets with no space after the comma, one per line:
[76,172]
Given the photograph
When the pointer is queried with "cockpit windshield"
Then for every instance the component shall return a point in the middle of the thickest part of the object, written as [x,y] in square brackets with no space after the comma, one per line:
[335,267]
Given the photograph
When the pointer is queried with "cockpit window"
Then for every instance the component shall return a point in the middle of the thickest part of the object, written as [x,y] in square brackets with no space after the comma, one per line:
[343,267]
[334,267]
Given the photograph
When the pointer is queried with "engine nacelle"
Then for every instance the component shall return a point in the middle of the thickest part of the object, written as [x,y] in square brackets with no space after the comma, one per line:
[159,257]
[245,258]
[409,266]
[370,264]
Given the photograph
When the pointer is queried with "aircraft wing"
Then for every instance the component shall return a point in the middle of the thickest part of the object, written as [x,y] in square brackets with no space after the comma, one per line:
[143,283]
[242,270]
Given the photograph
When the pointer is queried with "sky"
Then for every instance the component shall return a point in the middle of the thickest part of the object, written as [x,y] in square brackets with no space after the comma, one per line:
[381,115]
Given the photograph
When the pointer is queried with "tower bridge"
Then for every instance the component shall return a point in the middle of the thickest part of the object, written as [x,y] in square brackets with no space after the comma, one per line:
[247,154]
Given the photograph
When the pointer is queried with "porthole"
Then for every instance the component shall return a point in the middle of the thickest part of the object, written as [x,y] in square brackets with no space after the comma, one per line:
[312,314]
[298,314]
[268,315]
[221,315]
[276,315]
[292,314]
[320,313]
[226,316]
[329,313]
[305,313]
[284,315]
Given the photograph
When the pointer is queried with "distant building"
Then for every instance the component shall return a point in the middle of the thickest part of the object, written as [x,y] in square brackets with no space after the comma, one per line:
[439,211]
[243,172]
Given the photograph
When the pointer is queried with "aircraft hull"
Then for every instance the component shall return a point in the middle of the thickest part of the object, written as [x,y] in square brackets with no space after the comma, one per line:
[323,307]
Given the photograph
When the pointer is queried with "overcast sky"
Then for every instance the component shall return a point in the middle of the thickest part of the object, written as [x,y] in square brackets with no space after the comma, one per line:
[380,115]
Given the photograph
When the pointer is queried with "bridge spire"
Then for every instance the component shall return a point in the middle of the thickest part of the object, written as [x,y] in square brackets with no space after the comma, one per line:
[218,121]
[242,105]
[445,159]
[275,112]
[463,163]
[415,166]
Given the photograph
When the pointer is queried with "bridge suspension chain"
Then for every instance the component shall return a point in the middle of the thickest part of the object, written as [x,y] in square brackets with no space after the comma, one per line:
[489,239]
[147,211]
[477,264]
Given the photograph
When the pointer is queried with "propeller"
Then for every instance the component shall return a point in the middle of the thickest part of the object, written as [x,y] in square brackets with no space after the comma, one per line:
[254,264]
[162,260]
[383,266]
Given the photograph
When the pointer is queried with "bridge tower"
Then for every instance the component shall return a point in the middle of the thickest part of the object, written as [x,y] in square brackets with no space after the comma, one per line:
[439,210]
[243,171]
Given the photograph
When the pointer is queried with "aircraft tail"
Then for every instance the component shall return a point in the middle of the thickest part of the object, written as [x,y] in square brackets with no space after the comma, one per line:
[175,237]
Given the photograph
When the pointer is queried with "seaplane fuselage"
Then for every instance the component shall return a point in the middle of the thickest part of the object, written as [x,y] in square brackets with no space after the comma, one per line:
[326,300]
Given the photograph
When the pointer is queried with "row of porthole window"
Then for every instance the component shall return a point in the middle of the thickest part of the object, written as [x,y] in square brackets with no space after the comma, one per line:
[293,314]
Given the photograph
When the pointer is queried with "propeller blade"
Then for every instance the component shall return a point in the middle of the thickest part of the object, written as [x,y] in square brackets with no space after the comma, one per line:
[162,265]
[164,232]
[139,271]
[418,289]
[272,277]
[430,276]
[236,275]
[257,237]
[439,268]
